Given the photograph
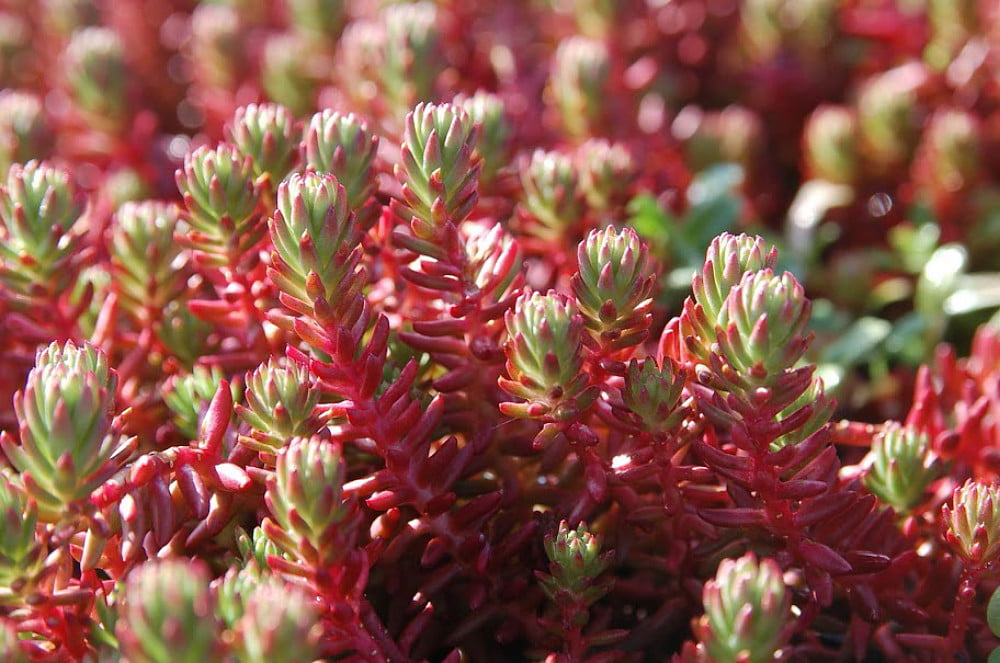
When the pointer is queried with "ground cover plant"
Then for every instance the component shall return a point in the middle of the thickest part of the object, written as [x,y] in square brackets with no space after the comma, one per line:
[610,330]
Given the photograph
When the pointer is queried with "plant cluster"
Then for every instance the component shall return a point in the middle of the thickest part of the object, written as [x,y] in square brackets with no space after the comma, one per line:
[577,332]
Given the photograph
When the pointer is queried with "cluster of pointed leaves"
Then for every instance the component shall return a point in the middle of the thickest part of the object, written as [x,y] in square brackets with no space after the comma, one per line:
[67,446]
[544,358]
[39,206]
[972,522]
[221,195]
[440,167]
[316,257]
[747,613]
[902,467]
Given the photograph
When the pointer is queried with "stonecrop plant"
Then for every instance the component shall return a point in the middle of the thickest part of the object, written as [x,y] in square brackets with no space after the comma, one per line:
[488,332]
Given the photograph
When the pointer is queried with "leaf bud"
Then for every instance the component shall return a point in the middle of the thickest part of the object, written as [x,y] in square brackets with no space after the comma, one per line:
[39,207]
[21,555]
[748,615]
[221,197]
[94,66]
[317,243]
[972,522]
[144,256]
[24,132]
[653,394]
[552,194]
[607,171]
[312,522]
[575,563]
[64,420]
[280,624]
[900,467]
[831,144]
[169,614]
[268,134]
[579,85]
[344,146]
[613,287]
[487,111]
[281,400]
[440,167]
[544,358]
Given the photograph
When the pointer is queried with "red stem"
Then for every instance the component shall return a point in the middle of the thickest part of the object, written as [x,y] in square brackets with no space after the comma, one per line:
[383,648]
[959,624]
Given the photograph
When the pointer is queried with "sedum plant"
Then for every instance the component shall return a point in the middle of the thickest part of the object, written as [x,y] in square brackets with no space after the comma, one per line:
[281,405]
[67,445]
[344,146]
[24,133]
[902,467]
[168,614]
[440,167]
[544,358]
[746,613]
[576,332]
[315,236]
[268,134]
[39,207]
[21,554]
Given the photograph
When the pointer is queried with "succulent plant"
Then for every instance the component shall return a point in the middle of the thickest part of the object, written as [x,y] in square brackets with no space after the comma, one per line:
[316,243]
[268,134]
[95,71]
[440,167]
[169,614]
[887,114]
[216,47]
[495,262]
[188,395]
[234,588]
[312,521]
[410,57]
[21,554]
[146,260]
[728,258]
[221,197]
[831,144]
[324,390]
[10,648]
[579,83]
[487,112]
[575,563]
[64,419]
[613,287]
[901,467]
[552,194]
[183,336]
[771,25]
[15,34]
[544,358]
[24,131]
[607,172]
[280,624]
[952,140]
[281,405]
[747,608]
[286,74]
[320,20]
[39,207]
[763,325]
[972,522]
[652,392]
[345,147]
